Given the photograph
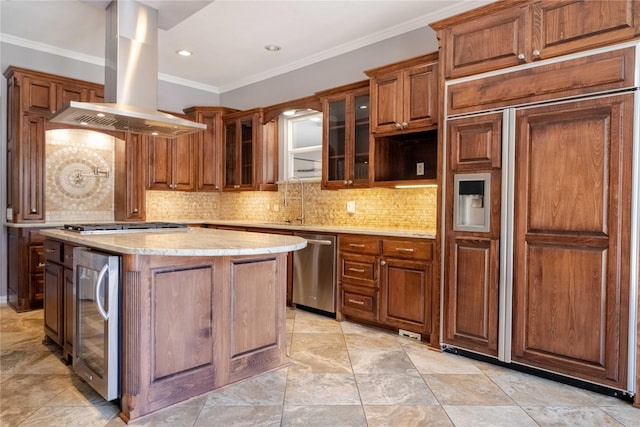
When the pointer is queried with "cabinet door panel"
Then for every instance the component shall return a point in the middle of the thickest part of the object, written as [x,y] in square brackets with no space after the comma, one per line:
[70,92]
[53,320]
[571,238]
[420,96]
[33,169]
[471,295]
[160,156]
[475,142]
[406,294]
[183,164]
[487,43]
[39,95]
[563,27]
[208,177]
[388,102]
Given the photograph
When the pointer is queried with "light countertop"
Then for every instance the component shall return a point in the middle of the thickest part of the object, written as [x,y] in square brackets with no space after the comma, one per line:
[306,228]
[186,242]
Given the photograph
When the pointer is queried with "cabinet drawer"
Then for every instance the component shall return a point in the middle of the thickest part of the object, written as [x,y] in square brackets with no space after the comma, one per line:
[67,253]
[34,236]
[361,303]
[359,244]
[53,251]
[415,249]
[358,269]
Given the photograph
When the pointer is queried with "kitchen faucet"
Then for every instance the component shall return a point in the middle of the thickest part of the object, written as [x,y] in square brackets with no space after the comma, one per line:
[287,198]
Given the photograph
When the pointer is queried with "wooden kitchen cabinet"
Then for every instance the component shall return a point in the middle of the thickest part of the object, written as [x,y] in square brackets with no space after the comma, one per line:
[404,96]
[129,181]
[389,282]
[506,34]
[54,292]
[409,297]
[346,137]
[472,263]
[59,299]
[172,163]
[25,280]
[358,280]
[208,146]
[250,152]
[571,237]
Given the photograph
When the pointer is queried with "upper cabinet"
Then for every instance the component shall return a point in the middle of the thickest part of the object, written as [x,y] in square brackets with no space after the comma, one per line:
[250,152]
[171,163]
[31,98]
[208,146]
[346,137]
[404,96]
[506,34]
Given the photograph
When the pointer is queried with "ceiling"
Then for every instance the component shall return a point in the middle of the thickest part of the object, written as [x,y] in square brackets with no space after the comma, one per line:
[227,37]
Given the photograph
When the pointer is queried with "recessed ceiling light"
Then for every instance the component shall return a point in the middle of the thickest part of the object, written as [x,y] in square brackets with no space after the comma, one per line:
[184,52]
[272,48]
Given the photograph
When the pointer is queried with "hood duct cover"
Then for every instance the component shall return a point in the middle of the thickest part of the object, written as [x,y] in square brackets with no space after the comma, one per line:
[131,75]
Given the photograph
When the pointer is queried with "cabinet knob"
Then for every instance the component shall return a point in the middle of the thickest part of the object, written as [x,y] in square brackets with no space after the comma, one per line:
[34,210]
[404,125]
[41,264]
[521,56]
[236,186]
[135,210]
[383,262]
[49,251]
[536,52]
[347,182]
[398,125]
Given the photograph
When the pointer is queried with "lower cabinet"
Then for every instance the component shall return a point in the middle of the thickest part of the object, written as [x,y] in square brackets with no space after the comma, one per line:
[25,287]
[59,296]
[389,282]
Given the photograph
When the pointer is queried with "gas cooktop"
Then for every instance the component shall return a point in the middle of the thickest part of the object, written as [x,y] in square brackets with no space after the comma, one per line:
[125,227]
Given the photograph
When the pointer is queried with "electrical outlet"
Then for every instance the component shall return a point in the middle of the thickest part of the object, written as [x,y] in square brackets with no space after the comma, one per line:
[351,207]
[420,168]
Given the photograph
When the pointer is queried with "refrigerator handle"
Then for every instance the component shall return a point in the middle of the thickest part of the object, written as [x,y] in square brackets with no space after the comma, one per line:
[98,287]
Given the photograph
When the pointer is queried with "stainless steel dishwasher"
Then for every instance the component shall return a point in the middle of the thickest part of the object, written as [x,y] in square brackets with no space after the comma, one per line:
[314,273]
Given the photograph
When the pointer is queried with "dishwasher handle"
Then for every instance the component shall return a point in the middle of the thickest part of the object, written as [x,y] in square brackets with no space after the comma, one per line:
[319,242]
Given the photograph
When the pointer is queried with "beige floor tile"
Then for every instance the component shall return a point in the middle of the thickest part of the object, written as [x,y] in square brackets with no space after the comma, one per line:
[321,389]
[394,389]
[466,389]
[489,416]
[571,416]
[406,416]
[324,416]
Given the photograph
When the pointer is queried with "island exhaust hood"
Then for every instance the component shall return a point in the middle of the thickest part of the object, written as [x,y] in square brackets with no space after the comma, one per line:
[130,84]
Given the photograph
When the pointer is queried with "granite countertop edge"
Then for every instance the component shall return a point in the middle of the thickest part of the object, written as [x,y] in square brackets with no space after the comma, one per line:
[192,242]
[306,228]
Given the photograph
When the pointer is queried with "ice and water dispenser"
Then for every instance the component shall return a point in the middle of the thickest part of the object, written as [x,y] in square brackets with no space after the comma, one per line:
[472,202]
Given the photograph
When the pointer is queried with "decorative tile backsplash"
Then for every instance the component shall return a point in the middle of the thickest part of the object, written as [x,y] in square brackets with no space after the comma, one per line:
[79,175]
[405,208]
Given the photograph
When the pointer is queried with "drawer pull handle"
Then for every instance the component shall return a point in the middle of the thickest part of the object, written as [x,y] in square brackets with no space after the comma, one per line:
[356,301]
[357,270]
[41,264]
[404,249]
[356,245]
[50,251]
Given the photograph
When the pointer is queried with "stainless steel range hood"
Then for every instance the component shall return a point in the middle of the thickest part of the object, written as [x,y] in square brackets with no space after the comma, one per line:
[131,74]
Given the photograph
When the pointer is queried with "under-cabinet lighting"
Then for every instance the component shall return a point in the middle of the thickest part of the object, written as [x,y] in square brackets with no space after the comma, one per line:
[417,186]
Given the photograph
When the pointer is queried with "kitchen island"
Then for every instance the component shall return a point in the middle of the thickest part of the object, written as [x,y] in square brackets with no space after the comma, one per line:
[200,309]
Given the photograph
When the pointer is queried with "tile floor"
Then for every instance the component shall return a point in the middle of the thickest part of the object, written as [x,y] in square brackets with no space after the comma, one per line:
[342,374]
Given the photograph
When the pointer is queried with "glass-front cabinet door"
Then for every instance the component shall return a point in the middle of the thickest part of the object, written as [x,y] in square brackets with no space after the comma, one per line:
[346,137]
[241,140]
